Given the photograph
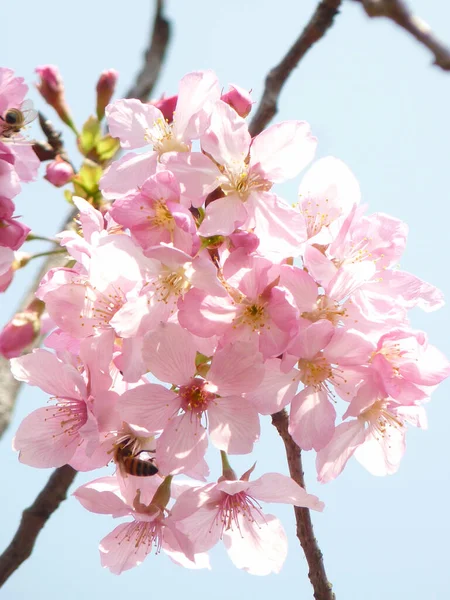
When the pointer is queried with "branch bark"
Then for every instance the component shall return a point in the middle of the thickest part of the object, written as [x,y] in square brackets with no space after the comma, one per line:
[318,25]
[154,58]
[398,11]
[323,590]
[33,520]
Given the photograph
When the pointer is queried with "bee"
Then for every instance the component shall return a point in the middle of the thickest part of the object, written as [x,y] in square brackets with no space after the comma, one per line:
[129,462]
[15,119]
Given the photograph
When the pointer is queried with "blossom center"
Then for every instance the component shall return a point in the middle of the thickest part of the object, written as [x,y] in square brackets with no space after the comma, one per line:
[252,314]
[325,308]
[162,218]
[232,507]
[143,533]
[381,419]
[102,306]
[314,371]
[162,138]
[242,181]
[194,396]
[71,414]
[171,284]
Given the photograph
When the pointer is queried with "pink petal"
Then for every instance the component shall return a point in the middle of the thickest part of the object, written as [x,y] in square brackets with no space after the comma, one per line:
[283,150]
[301,285]
[312,417]
[149,405]
[41,441]
[196,174]
[275,391]
[227,138]
[197,93]
[280,228]
[182,444]
[236,369]
[102,496]
[332,459]
[169,353]
[349,347]
[223,216]
[381,455]
[130,120]
[275,487]
[258,547]
[43,369]
[126,174]
[122,549]
[233,425]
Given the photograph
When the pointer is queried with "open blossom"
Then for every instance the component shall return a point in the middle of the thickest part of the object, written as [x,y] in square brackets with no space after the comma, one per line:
[137,125]
[149,530]
[50,436]
[233,423]
[230,511]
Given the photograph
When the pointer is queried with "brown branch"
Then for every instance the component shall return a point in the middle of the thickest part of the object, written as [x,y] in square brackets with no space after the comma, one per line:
[318,25]
[54,146]
[305,532]
[33,520]
[153,57]
[398,11]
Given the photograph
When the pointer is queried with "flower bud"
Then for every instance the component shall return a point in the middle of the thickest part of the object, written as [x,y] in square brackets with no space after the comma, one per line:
[51,88]
[238,99]
[106,85]
[21,331]
[59,172]
[166,106]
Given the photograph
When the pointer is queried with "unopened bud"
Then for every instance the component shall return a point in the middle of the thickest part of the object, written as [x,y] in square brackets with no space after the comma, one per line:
[21,331]
[106,85]
[59,172]
[51,88]
[167,106]
[238,99]
[12,232]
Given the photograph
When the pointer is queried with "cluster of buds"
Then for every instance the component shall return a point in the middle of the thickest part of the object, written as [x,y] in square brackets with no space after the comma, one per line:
[201,300]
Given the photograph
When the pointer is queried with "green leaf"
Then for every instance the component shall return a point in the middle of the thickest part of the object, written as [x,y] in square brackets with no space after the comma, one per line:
[107,147]
[89,136]
[85,182]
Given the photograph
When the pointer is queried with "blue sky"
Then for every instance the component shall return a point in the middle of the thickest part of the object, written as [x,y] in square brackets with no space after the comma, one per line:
[374,100]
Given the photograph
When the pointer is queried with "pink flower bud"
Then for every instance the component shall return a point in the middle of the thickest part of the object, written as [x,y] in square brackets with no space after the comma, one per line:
[106,85]
[59,172]
[21,331]
[238,99]
[166,106]
[51,88]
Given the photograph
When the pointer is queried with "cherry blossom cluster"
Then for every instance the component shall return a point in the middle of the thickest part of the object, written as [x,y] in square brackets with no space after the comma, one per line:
[18,163]
[198,300]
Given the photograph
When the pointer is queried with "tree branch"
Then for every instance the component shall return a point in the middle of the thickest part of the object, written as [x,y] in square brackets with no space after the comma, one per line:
[153,57]
[318,25]
[305,532]
[33,520]
[397,11]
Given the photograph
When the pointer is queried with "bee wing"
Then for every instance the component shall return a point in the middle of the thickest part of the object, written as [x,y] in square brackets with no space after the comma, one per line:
[28,110]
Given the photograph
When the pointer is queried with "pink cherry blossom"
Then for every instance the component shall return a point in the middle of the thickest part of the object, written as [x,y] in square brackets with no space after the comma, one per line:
[150,529]
[230,511]
[137,125]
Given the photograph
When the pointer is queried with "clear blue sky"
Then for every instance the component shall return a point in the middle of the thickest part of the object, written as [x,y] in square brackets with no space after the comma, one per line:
[374,100]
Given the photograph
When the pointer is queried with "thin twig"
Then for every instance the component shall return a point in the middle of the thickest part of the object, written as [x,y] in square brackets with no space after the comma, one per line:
[398,11]
[318,25]
[54,146]
[33,520]
[305,532]
[153,57]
